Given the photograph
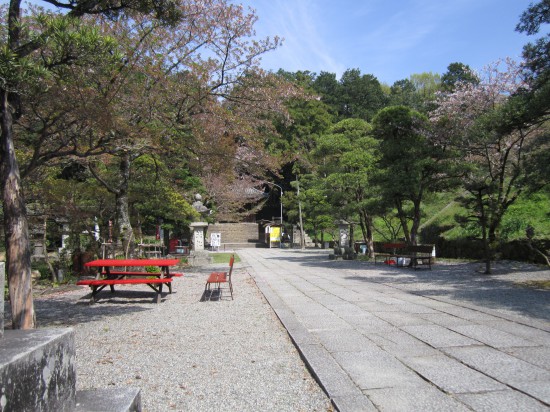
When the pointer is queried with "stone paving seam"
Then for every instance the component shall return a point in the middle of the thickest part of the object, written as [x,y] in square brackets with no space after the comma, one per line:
[336,383]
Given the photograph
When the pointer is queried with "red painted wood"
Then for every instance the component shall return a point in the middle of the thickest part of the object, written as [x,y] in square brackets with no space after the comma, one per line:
[132,262]
[99,282]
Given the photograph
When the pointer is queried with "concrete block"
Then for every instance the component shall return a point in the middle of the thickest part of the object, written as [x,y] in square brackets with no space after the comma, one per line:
[37,370]
[109,400]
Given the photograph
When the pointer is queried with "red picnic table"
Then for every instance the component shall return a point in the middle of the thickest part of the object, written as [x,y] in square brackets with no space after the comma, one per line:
[108,277]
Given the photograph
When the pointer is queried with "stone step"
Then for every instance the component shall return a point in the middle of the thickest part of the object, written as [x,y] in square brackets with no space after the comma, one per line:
[109,399]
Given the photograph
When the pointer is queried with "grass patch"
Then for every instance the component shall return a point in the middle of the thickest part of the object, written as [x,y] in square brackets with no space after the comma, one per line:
[224,257]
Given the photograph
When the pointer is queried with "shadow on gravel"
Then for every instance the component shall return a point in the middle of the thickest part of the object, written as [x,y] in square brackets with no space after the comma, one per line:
[60,311]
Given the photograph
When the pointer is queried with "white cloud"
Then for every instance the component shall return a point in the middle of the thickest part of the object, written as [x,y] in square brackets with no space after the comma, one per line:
[388,38]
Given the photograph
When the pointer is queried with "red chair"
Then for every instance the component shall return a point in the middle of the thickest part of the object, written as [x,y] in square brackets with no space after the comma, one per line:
[217,278]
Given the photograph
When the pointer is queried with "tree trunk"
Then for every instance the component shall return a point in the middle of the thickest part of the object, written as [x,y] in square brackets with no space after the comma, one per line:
[403,220]
[370,236]
[415,222]
[123,209]
[302,234]
[18,254]
[367,227]
[45,246]
[483,223]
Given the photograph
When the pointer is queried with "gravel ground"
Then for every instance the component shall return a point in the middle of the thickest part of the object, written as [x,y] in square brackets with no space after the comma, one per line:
[185,354]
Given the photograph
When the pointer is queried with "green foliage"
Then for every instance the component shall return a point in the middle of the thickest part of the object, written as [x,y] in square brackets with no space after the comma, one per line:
[457,73]
[353,96]
[156,191]
[530,210]
[447,218]
[43,268]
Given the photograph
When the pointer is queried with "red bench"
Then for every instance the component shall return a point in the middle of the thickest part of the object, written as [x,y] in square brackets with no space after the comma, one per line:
[97,285]
[130,273]
[217,278]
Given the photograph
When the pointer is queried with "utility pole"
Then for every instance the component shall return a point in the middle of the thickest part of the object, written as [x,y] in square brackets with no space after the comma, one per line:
[302,238]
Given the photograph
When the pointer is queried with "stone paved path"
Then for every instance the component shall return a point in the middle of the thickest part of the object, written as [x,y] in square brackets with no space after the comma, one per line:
[395,339]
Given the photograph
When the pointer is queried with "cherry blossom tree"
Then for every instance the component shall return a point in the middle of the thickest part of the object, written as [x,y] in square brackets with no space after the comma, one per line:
[484,122]
[178,61]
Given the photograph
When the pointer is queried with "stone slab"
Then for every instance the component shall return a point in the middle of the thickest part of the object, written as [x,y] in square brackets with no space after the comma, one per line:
[502,401]
[335,381]
[537,389]
[419,398]
[376,368]
[402,345]
[534,334]
[402,319]
[342,340]
[499,365]
[367,323]
[538,356]
[452,376]
[444,319]
[438,336]
[109,400]
[491,336]
[37,370]
[353,403]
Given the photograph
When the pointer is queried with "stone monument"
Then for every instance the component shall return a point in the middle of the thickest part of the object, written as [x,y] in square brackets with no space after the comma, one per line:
[343,250]
[198,231]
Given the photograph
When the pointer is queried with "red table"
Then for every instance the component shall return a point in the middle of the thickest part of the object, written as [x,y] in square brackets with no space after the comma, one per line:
[106,264]
[108,277]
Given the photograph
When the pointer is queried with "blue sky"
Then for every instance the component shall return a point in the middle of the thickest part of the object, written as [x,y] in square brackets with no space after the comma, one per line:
[390,39]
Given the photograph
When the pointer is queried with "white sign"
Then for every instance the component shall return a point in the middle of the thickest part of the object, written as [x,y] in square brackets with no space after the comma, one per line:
[215,239]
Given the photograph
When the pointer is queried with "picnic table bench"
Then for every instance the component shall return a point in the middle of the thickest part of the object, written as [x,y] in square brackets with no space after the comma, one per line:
[421,255]
[107,277]
[418,255]
[390,250]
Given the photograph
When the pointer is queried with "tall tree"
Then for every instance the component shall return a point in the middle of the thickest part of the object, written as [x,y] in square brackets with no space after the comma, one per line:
[347,156]
[361,96]
[457,73]
[63,41]
[30,55]
[412,163]
[403,93]
[486,122]
[537,55]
